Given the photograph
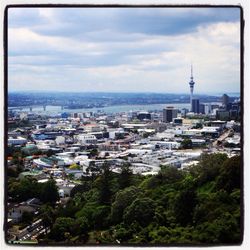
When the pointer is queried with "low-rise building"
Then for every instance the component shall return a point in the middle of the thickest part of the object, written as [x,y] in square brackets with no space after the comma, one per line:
[85,139]
[17,141]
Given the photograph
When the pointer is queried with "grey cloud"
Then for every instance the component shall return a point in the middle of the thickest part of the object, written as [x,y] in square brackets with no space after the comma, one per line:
[129,37]
[77,22]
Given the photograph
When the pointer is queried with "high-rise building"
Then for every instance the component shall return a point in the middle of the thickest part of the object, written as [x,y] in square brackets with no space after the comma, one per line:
[225,100]
[202,108]
[196,106]
[191,84]
[169,114]
[184,111]
[208,108]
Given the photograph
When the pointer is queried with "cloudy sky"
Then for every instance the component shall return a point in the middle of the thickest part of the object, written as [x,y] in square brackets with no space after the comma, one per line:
[124,49]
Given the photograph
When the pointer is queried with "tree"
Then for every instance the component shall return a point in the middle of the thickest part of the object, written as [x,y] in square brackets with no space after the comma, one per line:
[80,228]
[104,186]
[27,217]
[84,187]
[94,152]
[198,126]
[24,189]
[75,166]
[122,233]
[230,173]
[141,211]
[184,206]
[49,192]
[208,168]
[123,199]
[18,159]
[169,174]
[186,144]
[49,152]
[94,170]
[61,230]
[100,217]
[47,216]
[119,136]
[13,171]
[146,135]
[223,230]
[125,176]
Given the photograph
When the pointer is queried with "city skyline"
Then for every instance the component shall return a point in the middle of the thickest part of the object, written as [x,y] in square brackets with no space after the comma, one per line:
[123,49]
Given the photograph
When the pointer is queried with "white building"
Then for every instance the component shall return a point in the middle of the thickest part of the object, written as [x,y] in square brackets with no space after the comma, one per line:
[92,128]
[208,108]
[168,144]
[85,139]
[60,140]
[17,141]
[114,133]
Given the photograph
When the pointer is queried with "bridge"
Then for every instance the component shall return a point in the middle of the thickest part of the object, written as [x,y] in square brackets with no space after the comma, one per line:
[31,107]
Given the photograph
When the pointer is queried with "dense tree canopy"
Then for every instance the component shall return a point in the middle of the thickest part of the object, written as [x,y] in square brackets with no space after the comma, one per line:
[198,205]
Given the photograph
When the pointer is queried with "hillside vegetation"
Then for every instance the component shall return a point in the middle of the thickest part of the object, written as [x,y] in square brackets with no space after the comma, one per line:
[199,205]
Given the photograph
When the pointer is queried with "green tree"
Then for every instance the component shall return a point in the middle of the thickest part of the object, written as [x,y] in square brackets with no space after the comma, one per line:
[119,136]
[186,143]
[93,170]
[80,228]
[184,206]
[141,211]
[49,152]
[49,192]
[27,217]
[47,214]
[169,174]
[24,189]
[146,135]
[75,166]
[122,233]
[208,168]
[100,217]
[94,152]
[198,126]
[61,229]
[230,174]
[104,185]
[123,199]
[18,159]
[223,230]
[84,187]
[13,171]
[125,176]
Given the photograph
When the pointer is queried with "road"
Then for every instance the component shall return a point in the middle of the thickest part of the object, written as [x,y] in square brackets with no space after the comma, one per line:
[223,137]
[31,231]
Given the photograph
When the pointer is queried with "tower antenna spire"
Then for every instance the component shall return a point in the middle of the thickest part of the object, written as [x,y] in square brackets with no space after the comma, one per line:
[191,70]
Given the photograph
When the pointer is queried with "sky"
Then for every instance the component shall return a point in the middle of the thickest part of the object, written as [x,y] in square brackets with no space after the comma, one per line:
[124,49]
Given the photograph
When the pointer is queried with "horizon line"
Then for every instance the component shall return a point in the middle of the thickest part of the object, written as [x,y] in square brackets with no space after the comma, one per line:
[121,92]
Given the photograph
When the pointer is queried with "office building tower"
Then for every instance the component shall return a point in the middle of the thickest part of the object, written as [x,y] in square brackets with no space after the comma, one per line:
[169,114]
[196,106]
[184,111]
[191,84]
[225,100]
[202,108]
[208,108]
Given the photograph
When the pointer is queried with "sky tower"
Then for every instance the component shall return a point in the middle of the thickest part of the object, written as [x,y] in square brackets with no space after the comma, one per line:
[191,84]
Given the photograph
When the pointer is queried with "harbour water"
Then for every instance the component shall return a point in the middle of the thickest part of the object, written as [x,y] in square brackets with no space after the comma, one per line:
[108,109]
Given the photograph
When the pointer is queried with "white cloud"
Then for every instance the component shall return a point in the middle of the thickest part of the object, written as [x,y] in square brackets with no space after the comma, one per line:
[113,60]
[47,13]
